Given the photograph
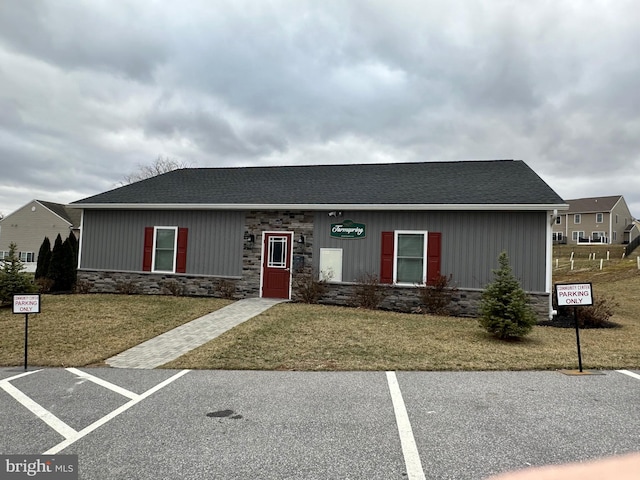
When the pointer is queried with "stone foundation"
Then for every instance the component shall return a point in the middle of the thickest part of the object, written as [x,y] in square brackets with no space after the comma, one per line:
[160,284]
[464,303]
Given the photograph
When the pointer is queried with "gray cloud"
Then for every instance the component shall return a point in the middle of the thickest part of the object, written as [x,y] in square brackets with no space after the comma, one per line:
[89,90]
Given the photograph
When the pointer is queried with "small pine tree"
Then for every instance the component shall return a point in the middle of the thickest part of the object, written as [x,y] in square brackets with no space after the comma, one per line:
[12,280]
[44,257]
[73,259]
[56,265]
[68,277]
[504,308]
[73,241]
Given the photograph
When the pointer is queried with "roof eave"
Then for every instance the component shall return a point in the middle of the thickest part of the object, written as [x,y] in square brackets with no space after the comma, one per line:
[327,206]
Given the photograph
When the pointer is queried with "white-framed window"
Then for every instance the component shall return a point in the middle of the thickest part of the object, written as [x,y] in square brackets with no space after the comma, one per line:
[557,236]
[165,241]
[598,236]
[27,257]
[577,218]
[615,235]
[4,254]
[576,235]
[410,265]
[599,217]
[558,220]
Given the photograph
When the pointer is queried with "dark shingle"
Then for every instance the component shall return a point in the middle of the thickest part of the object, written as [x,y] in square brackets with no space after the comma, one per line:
[71,215]
[467,182]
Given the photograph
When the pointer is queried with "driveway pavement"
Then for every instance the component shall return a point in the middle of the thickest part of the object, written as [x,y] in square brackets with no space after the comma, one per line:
[150,424]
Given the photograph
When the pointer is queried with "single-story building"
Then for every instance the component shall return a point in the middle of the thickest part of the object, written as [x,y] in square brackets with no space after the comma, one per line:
[248,230]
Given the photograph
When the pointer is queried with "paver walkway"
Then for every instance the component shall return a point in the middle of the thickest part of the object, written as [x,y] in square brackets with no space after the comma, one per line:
[174,343]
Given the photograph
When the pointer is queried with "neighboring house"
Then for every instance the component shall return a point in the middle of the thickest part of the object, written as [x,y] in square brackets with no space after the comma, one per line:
[403,224]
[595,220]
[27,227]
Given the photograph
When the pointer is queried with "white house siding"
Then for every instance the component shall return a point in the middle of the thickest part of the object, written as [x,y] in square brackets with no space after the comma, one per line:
[27,227]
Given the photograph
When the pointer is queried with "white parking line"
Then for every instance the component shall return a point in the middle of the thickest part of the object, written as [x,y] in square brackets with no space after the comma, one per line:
[407,440]
[103,383]
[631,374]
[38,410]
[24,374]
[85,431]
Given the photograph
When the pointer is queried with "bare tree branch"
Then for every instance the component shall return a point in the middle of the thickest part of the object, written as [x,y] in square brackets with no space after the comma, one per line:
[159,166]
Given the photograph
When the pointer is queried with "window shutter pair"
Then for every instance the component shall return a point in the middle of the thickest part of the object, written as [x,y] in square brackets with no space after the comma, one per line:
[434,243]
[181,250]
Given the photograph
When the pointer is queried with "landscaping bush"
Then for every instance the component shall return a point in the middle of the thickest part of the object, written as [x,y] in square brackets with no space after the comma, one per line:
[128,287]
[44,258]
[62,264]
[227,289]
[597,315]
[436,298]
[504,308]
[307,288]
[368,293]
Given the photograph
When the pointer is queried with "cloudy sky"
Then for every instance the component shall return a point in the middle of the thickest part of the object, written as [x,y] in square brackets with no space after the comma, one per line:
[90,90]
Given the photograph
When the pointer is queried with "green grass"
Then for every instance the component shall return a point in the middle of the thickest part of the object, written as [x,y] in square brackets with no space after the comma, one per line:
[81,330]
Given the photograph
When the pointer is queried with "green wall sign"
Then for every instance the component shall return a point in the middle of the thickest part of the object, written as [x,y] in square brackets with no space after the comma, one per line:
[348,229]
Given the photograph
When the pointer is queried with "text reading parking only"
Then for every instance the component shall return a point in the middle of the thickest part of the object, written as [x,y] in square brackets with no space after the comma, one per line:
[574,294]
[26,303]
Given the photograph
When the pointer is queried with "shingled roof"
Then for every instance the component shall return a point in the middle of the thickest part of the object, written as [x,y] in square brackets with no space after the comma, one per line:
[495,183]
[593,204]
[68,214]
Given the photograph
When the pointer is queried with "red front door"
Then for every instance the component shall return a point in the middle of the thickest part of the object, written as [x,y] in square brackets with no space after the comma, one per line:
[276,264]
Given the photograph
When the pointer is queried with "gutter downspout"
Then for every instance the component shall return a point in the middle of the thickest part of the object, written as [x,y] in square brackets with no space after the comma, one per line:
[549,261]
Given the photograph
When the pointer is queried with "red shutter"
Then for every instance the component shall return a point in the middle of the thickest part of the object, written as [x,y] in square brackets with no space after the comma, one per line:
[148,249]
[433,256]
[181,254]
[386,258]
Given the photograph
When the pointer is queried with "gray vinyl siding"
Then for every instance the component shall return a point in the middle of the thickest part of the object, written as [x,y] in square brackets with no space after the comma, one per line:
[114,240]
[471,243]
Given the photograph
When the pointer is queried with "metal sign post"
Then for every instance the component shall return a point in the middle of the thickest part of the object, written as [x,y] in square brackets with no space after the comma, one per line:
[575,295]
[26,303]
[575,317]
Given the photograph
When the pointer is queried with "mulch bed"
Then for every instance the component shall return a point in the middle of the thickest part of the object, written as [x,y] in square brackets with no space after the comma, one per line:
[567,321]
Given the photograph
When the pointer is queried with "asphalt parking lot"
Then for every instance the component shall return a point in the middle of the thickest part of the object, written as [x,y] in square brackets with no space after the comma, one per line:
[150,424]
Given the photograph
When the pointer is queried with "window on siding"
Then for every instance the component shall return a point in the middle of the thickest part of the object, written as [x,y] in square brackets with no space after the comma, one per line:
[577,218]
[577,235]
[557,236]
[558,220]
[164,251]
[597,236]
[599,217]
[410,261]
[26,256]
[4,254]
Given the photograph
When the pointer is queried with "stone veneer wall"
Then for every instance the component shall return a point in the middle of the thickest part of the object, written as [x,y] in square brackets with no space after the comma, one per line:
[256,222]
[464,303]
